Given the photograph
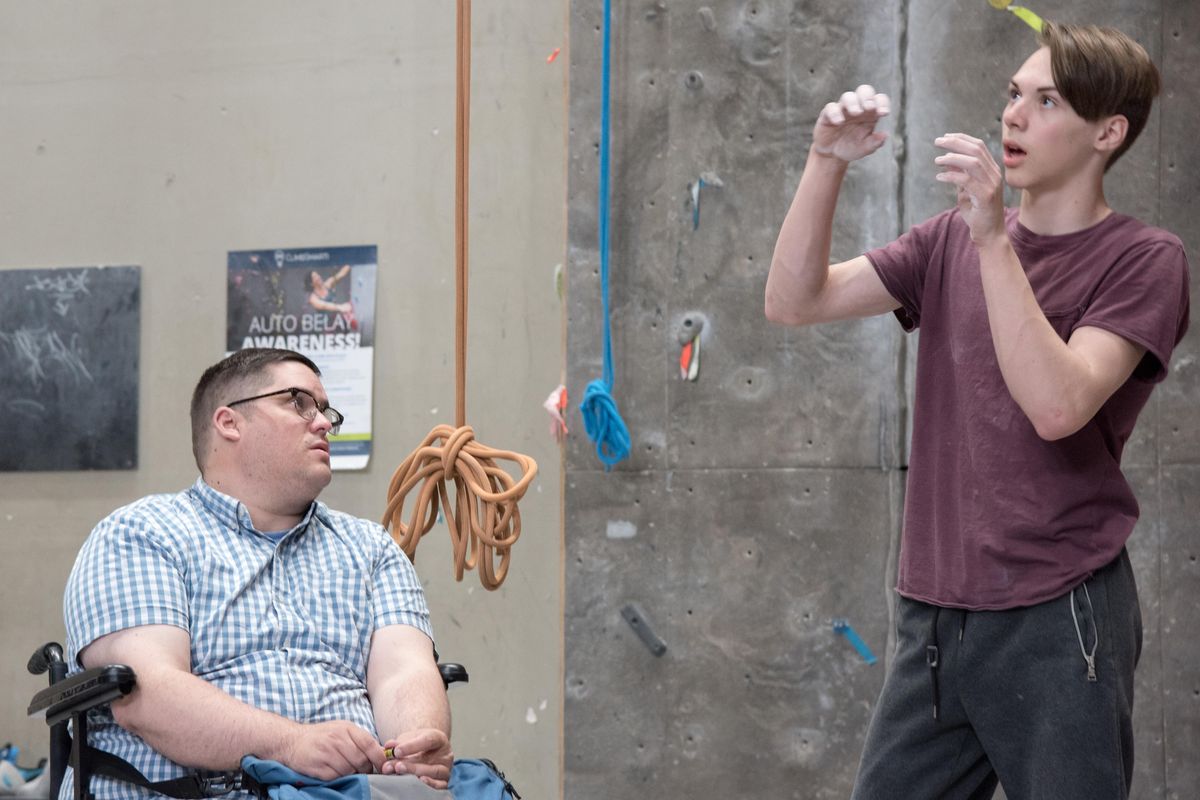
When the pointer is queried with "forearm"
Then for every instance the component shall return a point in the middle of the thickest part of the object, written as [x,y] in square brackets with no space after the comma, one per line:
[175,713]
[1048,380]
[800,265]
[410,699]
[323,305]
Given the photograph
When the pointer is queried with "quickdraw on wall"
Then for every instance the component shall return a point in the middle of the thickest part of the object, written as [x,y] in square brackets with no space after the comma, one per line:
[485,514]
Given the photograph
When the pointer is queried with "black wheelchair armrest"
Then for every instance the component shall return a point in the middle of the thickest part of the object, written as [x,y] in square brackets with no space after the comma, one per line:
[79,693]
[101,685]
[453,673]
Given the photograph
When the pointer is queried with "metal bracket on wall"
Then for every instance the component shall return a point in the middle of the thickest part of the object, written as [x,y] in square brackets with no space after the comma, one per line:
[633,614]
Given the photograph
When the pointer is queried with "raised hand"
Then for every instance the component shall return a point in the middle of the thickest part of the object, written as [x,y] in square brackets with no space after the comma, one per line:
[846,129]
[980,184]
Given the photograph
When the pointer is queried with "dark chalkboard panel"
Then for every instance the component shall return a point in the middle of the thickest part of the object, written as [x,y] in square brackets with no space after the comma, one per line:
[69,368]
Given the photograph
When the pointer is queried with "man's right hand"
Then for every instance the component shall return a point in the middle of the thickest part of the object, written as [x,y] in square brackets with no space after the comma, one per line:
[329,750]
[845,130]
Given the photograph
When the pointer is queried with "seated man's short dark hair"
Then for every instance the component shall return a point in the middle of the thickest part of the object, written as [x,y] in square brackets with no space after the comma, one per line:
[239,372]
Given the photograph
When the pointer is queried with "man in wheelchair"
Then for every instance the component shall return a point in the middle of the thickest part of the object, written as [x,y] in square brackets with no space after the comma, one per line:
[258,620]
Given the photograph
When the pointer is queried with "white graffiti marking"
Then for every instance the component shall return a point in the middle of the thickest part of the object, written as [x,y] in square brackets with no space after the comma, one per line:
[28,408]
[63,287]
[38,351]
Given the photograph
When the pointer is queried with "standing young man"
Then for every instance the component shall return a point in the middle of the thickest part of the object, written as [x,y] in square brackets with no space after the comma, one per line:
[1044,329]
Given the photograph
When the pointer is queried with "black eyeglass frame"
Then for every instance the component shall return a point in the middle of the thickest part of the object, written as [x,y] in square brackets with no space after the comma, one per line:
[335,417]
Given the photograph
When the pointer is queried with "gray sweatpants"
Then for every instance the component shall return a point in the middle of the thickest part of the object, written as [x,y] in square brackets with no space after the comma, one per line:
[1017,700]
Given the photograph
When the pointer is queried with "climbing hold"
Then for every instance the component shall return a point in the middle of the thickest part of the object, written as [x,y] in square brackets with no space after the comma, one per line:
[842,626]
[687,333]
[689,360]
[1024,14]
[705,179]
[555,404]
[689,327]
[633,614]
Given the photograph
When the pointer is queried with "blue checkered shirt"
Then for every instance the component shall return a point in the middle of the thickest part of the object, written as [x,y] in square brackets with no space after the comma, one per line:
[284,626]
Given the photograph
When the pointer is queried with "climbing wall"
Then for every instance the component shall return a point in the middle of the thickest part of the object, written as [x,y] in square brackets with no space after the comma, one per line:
[712,574]
[729,526]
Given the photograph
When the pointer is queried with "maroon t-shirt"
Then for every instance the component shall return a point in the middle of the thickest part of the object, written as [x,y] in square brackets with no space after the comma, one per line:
[996,517]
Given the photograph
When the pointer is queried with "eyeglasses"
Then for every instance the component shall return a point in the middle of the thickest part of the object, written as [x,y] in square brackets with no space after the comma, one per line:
[305,404]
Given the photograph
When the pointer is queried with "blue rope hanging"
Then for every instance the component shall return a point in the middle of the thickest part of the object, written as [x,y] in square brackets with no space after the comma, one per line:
[601,419]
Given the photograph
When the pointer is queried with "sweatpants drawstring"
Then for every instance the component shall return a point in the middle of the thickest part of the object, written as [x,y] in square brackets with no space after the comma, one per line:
[933,658]
[1090,658]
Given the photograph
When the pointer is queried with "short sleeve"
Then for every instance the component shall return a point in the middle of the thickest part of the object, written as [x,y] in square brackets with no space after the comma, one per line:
[1144,298]
[126,575]
[396,594]
[902,265]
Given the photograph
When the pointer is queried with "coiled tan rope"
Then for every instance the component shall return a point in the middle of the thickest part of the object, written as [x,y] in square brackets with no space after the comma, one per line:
[485,500]
[485,495]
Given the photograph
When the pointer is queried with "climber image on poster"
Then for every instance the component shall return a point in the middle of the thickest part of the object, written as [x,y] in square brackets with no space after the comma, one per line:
[319,301]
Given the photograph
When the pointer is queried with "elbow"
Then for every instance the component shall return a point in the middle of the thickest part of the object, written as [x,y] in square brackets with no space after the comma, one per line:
[782,312]
[773,312]
[1056,423]
[135,712]
[125,714]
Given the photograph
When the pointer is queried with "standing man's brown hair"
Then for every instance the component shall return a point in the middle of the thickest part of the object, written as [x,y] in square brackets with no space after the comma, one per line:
[1102,72]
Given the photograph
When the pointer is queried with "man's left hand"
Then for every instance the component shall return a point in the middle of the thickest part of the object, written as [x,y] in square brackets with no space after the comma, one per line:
[424,752]
[970,167]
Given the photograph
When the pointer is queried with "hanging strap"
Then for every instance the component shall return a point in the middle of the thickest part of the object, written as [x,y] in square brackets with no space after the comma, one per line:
[193,786]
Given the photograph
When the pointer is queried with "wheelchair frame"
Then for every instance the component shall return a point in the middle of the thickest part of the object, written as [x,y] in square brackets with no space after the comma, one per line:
[67,701]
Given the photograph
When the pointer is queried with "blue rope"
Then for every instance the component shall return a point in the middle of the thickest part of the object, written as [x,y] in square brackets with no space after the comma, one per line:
[601,419]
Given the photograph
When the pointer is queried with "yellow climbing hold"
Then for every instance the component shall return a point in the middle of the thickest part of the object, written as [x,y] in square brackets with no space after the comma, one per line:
[1024,14]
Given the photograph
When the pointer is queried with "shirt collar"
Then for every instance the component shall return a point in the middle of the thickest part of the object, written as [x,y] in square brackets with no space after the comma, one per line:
[232,513]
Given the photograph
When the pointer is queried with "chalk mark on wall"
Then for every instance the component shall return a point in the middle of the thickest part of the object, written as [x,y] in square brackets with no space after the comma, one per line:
[34,350]
[63,289]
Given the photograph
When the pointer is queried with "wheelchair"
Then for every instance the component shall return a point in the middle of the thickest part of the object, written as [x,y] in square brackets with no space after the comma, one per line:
[67,701]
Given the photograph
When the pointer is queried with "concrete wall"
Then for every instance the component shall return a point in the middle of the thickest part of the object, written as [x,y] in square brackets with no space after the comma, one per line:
[763,501]
[165,134]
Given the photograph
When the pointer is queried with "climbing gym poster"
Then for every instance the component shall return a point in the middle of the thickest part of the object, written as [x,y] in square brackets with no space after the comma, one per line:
[319,301]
